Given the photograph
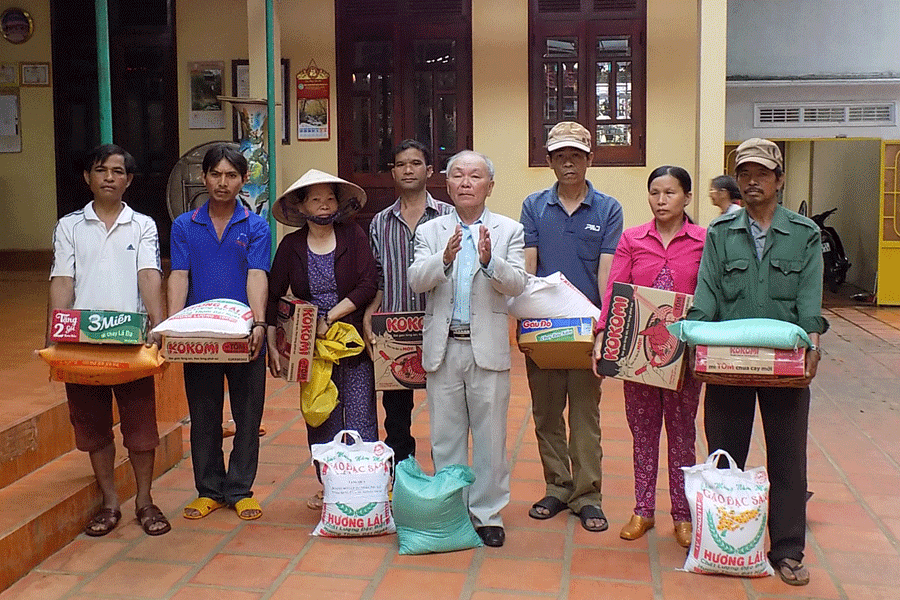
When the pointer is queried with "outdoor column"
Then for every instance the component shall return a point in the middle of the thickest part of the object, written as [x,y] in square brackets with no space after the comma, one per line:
[712,24]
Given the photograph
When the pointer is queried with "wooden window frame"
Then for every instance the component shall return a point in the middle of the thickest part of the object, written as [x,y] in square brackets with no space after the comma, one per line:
[586,25]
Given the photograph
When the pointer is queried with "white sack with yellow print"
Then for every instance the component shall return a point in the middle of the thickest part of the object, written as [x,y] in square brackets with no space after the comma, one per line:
[729,510]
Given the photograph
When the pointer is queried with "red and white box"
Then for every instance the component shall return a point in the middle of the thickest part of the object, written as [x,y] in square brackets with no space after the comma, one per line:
[295,337]
[755,361]
[636,344]
[398,350]
[206,349]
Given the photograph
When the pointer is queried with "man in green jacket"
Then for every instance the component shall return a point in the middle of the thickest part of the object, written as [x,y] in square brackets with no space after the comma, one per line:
[765,261]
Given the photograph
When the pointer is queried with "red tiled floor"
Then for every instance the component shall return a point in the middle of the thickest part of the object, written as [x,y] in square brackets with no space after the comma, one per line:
[300,586]
[526,575]
[239,571]
[275,540]
[594,589]
[83,556]
[143,579]
[337,557]
[41,586]
[414,584]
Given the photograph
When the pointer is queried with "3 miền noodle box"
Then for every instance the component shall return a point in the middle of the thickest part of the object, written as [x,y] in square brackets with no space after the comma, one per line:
[295,337]
[398,350]
[97,326]
[636,344]
[558,343]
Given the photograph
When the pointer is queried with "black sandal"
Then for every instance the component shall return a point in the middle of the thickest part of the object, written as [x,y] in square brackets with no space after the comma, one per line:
[794,570]
[551,504]
[593,512]
[150,515]
[103,522]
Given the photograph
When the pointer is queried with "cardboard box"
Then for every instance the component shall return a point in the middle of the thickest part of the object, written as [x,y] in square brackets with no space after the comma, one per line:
[750,360]
[206,349]
[98,326]
[636,344]
[295,337]
[398,350]
[558,343]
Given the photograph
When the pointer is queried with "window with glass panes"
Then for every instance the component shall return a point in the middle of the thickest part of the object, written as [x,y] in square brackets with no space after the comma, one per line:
[586,64]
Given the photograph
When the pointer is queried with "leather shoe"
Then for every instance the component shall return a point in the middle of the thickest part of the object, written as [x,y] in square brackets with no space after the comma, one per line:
[636,527]
[683,533]
[492,535]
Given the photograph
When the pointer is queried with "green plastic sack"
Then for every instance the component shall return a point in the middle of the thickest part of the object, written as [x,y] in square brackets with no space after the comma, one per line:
[763,333]
[430,512]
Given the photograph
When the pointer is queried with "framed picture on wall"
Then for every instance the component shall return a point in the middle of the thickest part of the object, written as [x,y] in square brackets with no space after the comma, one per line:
[9,74]
[240,88]
[36,74]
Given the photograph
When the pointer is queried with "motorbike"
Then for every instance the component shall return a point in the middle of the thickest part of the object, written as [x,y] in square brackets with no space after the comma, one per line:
[833,255]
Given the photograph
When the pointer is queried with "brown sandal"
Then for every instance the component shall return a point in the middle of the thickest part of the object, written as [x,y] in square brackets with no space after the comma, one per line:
[150,515]
[103,522]
[792,572]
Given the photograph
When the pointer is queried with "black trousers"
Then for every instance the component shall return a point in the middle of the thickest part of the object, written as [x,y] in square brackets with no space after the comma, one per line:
[729,413]
[204,384]
[398,406]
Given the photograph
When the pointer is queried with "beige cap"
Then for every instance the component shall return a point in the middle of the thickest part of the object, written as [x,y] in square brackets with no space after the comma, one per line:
[287,209]
[760,151]
[569,134]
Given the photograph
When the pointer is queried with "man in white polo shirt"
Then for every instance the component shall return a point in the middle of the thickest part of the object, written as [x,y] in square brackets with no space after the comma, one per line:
[106,257]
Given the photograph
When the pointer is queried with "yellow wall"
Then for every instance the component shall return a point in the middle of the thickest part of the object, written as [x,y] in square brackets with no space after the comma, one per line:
[28,178]
[500,97]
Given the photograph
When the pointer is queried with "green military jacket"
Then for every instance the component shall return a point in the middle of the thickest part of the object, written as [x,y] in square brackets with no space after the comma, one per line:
[786,284]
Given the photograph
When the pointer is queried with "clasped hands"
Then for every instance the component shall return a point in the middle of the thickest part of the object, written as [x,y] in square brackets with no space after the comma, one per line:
[455,243]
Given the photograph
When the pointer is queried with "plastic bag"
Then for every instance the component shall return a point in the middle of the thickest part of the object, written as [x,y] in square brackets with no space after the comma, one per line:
[551,297]
[430,512]
[730,509]
[765,333]
[95,364]
[356,478]
[319,395]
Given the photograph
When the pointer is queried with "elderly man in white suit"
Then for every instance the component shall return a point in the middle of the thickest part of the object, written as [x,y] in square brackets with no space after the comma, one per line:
[469,262]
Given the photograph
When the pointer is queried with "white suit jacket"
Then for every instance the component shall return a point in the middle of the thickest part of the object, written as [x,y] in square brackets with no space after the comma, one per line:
[488,312]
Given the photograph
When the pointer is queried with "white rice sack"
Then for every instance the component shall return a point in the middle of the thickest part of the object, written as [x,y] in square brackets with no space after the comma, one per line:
[551,297]
[729,509]
[356,478]
[219,318]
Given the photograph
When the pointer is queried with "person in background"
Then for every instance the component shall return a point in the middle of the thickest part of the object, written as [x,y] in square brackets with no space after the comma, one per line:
[572,228]
[724,193]
[765,261]
[392,233]
[328,262]
[469,262]
[221,250]
[664,254]
[106,257]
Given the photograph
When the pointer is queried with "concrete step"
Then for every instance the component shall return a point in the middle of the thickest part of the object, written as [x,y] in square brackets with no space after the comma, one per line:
[35,433]
[34,417]
[49,507]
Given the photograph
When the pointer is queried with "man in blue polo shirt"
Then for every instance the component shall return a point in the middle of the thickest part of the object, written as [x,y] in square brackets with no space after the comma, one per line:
[221,250]
[574,229]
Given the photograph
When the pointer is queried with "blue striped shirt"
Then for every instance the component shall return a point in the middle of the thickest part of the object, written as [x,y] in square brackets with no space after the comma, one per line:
[393,244]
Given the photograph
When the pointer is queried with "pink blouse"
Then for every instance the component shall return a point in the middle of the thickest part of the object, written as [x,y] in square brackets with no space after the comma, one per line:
[641,255]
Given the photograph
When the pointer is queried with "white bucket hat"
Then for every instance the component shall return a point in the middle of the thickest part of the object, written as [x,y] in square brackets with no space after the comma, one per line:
[287,209]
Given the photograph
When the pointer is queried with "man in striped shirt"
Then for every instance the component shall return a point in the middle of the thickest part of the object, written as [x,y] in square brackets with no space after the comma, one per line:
[393,233]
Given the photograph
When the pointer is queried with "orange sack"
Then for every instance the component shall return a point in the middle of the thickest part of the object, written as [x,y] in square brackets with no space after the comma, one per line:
[93,364]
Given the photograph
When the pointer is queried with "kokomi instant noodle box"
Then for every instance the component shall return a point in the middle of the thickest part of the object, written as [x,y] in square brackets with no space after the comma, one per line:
[636,344]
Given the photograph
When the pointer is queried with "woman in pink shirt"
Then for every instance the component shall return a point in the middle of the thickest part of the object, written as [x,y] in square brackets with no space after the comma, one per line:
[664,254]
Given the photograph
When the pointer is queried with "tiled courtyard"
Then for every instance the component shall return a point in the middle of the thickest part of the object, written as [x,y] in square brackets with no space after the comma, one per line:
[853,547]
